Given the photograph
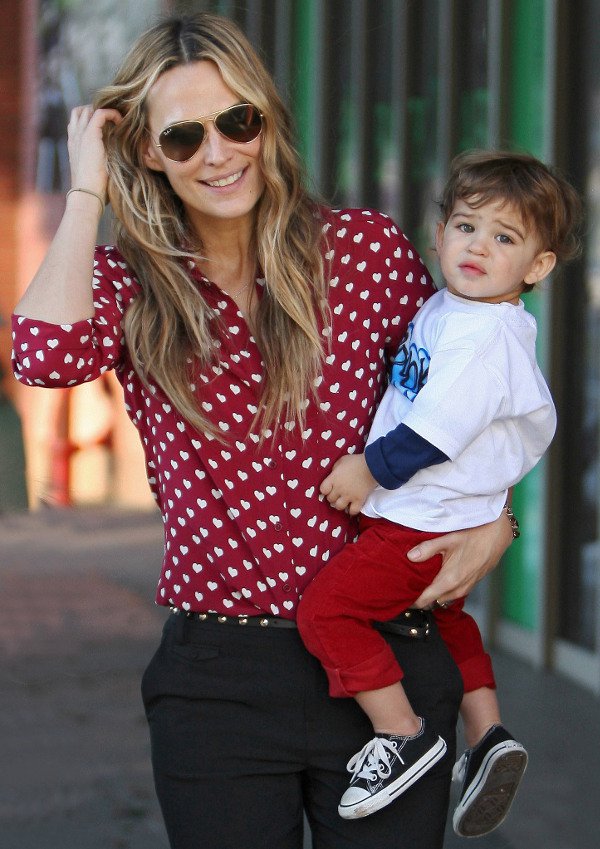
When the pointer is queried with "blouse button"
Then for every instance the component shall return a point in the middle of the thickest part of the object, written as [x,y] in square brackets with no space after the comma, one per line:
[278,526]
[287,588]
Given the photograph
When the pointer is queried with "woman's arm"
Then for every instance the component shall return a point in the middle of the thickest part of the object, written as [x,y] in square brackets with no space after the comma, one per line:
[467,557]
[61,291]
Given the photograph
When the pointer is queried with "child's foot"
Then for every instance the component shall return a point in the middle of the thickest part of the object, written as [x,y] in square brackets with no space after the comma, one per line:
[490,773]
[386,767]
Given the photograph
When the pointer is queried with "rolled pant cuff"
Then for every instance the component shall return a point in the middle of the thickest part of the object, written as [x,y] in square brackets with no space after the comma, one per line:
[477,672]
[376,672]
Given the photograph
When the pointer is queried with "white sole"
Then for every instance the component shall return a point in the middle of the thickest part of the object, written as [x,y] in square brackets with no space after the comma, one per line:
[397,787]
[487,800]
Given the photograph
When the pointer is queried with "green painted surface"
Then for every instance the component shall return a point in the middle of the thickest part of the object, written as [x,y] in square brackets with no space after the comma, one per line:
[528,123]
[13,493]
[304,82]
[473,115]
[346,149]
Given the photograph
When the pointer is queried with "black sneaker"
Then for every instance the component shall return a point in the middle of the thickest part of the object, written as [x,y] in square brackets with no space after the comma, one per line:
[490,773]
[386,767]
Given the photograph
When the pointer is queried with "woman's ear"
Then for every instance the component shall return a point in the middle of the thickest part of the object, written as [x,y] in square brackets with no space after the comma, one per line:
[541,267]
[150,157]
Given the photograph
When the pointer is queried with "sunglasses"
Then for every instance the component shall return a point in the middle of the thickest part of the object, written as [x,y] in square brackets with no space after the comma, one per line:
[240,124]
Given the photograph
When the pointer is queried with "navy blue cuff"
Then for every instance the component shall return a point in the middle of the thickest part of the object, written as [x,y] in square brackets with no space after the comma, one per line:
[395,458]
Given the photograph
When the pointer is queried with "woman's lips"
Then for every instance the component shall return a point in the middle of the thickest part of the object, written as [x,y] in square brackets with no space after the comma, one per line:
[223,182]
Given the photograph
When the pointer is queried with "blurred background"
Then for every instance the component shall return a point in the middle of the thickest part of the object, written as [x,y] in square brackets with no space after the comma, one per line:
[384,93]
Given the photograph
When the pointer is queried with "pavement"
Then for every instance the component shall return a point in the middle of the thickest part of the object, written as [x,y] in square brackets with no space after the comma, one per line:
[77,628]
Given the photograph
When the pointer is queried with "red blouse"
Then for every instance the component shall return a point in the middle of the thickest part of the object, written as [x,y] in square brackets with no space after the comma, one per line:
[245,526]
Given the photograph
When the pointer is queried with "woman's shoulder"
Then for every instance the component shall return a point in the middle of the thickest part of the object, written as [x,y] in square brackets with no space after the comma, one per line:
[365,228]
[371,241]
[357,218]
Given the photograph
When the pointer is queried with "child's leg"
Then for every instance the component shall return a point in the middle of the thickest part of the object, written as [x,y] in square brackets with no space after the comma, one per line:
[490,771]
[369,581]
[479,710]
[389,710]
[462,637]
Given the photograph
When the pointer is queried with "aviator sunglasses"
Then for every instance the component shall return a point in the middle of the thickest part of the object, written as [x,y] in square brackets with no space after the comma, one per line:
[241,124]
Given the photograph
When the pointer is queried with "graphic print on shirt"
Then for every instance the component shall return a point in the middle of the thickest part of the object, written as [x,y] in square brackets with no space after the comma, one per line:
[410,367]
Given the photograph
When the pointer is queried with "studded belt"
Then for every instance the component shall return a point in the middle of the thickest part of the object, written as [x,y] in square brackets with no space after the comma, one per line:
[252,621]
[411,623]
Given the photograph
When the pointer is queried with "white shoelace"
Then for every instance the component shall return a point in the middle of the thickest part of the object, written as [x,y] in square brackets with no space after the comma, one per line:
[460,767]
[373,760]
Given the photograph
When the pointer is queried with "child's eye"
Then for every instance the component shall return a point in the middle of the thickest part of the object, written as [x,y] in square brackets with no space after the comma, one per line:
[464,227]
[504,239]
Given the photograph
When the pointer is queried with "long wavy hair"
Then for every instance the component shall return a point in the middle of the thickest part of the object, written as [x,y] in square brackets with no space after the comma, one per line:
[169,326]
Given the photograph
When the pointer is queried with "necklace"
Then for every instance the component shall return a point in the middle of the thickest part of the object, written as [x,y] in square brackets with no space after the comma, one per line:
[237,292]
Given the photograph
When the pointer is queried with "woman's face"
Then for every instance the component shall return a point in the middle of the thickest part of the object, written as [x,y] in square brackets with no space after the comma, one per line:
[222,181]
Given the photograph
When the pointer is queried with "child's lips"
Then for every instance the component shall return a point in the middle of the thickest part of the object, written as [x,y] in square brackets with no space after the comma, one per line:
[471,268]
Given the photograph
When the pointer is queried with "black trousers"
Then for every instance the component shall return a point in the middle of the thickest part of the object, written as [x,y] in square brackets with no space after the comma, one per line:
[245,738]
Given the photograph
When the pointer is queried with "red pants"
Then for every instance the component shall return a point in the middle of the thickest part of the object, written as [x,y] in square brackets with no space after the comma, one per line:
[373,580]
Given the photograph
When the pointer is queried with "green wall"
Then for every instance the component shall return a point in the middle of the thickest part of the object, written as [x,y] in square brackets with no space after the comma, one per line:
[528,125]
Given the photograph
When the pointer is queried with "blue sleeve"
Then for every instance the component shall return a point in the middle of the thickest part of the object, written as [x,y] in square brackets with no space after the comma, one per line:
[396,457]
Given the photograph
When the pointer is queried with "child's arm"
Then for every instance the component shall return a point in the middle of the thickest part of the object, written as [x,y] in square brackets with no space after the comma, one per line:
[349,483]
[389,462]
[394,458]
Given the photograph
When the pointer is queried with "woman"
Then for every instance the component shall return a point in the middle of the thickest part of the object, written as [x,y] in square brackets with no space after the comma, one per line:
[249,327]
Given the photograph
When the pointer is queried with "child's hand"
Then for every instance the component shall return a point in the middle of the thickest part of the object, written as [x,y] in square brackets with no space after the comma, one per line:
[349,483]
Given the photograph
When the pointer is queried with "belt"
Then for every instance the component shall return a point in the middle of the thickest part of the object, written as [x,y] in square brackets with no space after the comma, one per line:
[412,623]
[252,621]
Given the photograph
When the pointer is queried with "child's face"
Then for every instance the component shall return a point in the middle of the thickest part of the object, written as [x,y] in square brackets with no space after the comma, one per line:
[488,254]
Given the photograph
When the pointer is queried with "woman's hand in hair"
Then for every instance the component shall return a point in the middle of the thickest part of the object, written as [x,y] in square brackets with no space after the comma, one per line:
[61,291]
[87,153]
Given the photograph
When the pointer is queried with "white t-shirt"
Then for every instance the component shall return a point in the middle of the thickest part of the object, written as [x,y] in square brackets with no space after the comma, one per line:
[466,380]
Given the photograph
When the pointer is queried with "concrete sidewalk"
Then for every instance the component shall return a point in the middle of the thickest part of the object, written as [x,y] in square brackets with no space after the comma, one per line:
[76,771]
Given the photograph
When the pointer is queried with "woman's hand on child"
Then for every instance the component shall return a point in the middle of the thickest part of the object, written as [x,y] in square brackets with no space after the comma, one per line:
[467,557]
[348,484]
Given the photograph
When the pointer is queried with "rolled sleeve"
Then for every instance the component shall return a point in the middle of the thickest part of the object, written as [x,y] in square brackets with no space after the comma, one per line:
[63,355]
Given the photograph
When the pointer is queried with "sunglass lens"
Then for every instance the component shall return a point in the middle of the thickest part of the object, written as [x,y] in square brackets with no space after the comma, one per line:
[240,124]
[181,141]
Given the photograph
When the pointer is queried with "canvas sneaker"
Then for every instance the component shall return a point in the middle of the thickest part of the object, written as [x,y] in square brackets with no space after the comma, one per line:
[489,775]
[386,767]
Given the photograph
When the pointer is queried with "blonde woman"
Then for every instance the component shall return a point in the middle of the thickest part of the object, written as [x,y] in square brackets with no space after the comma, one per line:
[250,328]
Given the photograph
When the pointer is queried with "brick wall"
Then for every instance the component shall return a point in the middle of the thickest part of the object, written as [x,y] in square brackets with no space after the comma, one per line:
[11,99]
[62,432]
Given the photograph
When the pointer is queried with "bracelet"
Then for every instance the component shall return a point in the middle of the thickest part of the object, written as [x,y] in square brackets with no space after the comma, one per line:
[89,192]
[514,522]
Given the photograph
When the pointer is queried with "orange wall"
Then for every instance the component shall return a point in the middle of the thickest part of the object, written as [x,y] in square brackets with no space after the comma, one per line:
[64,432]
